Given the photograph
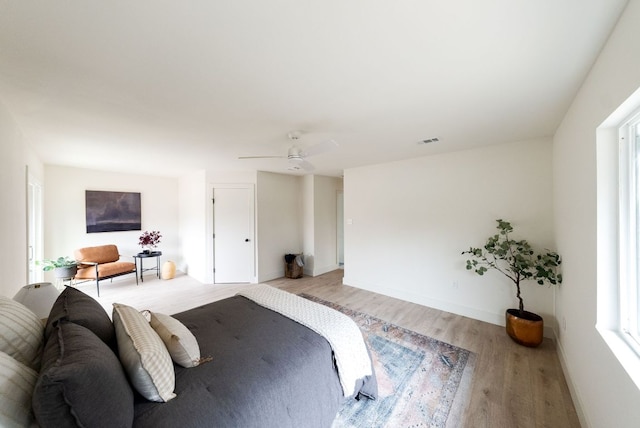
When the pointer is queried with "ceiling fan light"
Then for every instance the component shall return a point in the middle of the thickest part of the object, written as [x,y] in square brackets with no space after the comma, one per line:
[294,135]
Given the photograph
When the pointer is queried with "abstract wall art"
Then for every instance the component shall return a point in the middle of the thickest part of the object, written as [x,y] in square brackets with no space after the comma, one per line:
[112,211]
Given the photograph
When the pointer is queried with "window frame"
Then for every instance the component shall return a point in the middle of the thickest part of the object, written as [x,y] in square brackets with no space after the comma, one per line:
[609,248]
[628,234]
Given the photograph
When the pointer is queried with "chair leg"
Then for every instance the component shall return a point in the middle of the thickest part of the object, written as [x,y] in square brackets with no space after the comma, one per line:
[97,279]
[135,261]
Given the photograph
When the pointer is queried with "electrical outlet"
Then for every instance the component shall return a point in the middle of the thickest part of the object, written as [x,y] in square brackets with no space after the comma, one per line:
[564,324]
[455,284]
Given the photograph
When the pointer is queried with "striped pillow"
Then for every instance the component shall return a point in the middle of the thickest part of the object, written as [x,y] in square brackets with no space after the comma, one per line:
[143,355]
[180,342]
[21,333]
[16,387]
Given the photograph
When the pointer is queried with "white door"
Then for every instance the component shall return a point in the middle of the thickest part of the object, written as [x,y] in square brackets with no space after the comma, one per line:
[233,234]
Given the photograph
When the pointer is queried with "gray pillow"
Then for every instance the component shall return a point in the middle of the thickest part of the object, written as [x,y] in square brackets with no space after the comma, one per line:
[81,382]
[79,308]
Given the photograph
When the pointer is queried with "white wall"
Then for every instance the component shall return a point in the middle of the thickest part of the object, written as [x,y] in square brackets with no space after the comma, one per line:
[602,389]
[15,156]
[64,211]
[407,222]
[180,208]
[193,208]
[279,219]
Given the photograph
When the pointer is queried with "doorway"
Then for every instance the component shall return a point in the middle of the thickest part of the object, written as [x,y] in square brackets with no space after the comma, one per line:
[340,227]
[233,234]
[34,228]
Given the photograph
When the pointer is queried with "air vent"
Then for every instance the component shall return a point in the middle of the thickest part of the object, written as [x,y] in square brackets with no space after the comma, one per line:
[429,140]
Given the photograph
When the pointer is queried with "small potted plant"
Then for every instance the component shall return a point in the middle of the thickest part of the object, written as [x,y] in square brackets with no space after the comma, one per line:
[517,260]
[149,240]
[62,267]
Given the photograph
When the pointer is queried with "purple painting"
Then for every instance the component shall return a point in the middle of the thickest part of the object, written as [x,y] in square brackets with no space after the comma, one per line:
[112,211]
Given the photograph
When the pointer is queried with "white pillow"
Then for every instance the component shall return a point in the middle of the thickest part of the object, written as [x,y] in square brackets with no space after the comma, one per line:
[16,388]
[180,342]
[143,355]
[21,333]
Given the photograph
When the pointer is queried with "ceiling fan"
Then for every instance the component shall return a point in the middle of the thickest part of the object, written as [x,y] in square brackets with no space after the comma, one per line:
[296,156]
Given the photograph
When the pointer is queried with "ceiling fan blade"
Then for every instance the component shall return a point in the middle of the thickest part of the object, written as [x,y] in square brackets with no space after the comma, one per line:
[320,148]
[306,165]
[261,157]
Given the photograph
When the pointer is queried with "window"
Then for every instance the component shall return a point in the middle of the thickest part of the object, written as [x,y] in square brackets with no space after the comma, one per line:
[629,232]
[618,234]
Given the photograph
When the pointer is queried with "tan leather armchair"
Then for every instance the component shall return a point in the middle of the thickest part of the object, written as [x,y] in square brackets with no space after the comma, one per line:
[102,262]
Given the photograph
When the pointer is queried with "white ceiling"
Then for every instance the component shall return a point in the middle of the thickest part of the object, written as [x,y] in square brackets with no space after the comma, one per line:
[167,87]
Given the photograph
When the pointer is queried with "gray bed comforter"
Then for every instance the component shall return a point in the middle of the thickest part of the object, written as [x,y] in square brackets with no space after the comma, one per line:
[266,371]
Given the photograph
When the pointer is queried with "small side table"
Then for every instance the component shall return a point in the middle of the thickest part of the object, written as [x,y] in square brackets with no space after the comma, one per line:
[142,256]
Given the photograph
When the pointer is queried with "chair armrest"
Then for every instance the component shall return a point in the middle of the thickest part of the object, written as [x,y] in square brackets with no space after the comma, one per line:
[88,263]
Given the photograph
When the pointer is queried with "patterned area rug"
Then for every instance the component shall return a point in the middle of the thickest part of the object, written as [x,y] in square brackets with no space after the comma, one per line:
[422,382]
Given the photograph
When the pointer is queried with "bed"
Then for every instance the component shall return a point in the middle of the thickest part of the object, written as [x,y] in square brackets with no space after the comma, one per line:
[258,368]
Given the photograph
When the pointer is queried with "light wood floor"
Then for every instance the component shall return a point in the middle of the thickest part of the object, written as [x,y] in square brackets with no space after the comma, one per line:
[512,386]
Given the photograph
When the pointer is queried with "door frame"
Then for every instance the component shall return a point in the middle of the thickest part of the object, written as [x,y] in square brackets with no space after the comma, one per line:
[35,235]
[211,225]
[340,228]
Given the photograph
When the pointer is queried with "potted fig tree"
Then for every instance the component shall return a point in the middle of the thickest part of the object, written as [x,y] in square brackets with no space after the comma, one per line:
[517,260]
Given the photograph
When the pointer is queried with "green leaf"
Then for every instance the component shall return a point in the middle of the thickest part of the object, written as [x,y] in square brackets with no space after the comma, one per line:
[515,259]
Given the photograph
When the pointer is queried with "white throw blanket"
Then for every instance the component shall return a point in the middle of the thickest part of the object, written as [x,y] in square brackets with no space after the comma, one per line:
[342,333]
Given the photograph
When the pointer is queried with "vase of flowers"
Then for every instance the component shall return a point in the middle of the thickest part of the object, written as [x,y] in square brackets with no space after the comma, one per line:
[149,241]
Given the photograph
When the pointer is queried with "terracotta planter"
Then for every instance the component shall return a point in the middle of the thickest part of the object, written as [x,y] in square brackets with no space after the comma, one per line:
[526,329]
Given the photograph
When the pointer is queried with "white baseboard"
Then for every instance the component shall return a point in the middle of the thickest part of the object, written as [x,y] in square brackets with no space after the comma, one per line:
[325,269]
[271,275]
[490,317]
[575,396]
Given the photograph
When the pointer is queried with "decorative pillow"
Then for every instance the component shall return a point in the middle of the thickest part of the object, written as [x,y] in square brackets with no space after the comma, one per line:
[79,308]
[180,342]
[21,333]
[143,355]
[82,383]
[16,386]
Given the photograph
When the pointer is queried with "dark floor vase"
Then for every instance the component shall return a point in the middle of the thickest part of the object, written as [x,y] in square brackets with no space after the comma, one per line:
[525,329]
